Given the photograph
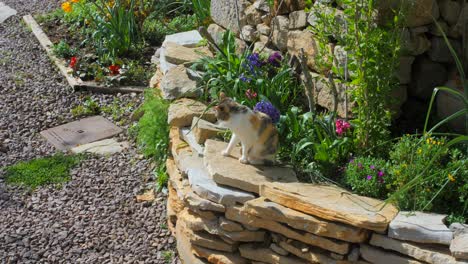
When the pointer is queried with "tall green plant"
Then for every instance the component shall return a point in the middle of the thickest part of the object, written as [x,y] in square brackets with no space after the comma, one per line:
[201,8]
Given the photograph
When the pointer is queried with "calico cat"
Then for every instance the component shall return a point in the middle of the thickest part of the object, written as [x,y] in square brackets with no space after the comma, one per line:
[254,130]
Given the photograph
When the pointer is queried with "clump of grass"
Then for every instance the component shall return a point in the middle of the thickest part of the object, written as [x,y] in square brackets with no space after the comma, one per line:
[42,171]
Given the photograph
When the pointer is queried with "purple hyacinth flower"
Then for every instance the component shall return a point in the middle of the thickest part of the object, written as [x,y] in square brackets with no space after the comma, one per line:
[254,60]
[372,167]
[275,59]
[244,78]
[380,174]
[369,177]
[269,109]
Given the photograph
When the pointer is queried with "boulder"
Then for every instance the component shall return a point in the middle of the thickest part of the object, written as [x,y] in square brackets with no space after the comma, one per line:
[426,76]
[280,27]
[263,208]
[414,43]
[375,255]
[177,83]
[228,171]
[297,20]
[239,214]
[253,16]
[263,29]
[450,11]
[331,203]
[178,54]
[216,32]
[262,5]
[260,253]
[188,39]
[182,111]
[440,51]
[429,254]
[225,13]
[404,69]
[305,40]
[459,246]
[420,227]
[249,33]
[325,97]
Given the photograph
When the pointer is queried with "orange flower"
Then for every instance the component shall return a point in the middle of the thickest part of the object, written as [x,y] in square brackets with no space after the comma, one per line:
[75,1]
[67,7]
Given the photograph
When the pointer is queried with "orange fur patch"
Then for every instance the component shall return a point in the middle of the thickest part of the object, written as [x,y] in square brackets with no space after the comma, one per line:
[255,121]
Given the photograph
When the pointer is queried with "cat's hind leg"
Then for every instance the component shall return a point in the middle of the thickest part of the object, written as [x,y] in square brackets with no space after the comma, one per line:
[232,143]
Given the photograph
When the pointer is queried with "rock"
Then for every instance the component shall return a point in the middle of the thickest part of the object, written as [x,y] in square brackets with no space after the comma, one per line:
[176,83]
[182,112]
[354,254]
[239,214]
[229,225]
[229,171]
[249,33]
[413,43]
[440,52]
[459,246]
[206,240]
[375,255]
[324,95]
[448,104]
[184,248]
[298,40]
[197,223]
[404,70]
[175,179]
[288,6]
[261,47]
[262,5]
[422,12]
[252,16]
[203,185]
[457,29]
[225,13]
[178,54]
[155,81]
[297,20]
[188,39]
[427,75]
[278,250]
[148,196]
[197,203]
[164,65]
[429,254]
[313,255]
[6,12]
[204,130]
[103,147]
[420,227]
[265,209]
[434,30]
[329,202]
[216,32]
[450,11]
[458,228]
[189,137]
[180,150]
[214,256]
[280,27]
[254,252]
[398,95]
[174,202]
[263,29]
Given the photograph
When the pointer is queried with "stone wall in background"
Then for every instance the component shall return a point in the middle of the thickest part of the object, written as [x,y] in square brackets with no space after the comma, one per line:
[425,64]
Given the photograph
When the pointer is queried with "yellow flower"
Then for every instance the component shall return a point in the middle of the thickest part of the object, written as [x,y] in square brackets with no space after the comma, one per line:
[67,7]
[419,151]
[397,172]
[451,178]
[75,1]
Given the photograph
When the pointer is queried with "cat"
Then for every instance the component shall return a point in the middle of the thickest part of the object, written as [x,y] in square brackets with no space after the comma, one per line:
[254,130]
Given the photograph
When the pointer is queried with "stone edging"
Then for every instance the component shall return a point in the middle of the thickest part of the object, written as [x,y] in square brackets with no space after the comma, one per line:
[76,83]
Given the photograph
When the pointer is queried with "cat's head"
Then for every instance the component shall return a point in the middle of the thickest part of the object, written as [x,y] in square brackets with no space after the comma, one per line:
[228,107]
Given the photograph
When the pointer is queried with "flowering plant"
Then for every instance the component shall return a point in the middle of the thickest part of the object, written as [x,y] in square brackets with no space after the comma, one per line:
[114,69]
[368,176]
[269,109]
[73,61]
[341,126]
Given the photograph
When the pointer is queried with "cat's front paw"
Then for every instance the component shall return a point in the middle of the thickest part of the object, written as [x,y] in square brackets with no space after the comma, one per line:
[225,153]
[243,160]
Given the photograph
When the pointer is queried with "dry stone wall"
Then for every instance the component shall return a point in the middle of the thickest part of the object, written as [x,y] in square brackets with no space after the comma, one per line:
[222,211]
[425,63]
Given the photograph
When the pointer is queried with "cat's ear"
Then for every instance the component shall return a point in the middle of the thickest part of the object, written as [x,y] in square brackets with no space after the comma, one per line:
[222,95]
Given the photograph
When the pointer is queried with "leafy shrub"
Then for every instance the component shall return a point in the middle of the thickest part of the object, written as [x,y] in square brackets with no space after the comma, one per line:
[155,29]
[42,171]
[63,50]
[153,132]
[368,176]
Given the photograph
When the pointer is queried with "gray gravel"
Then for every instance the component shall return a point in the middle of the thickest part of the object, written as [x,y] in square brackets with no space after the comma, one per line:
[92,219]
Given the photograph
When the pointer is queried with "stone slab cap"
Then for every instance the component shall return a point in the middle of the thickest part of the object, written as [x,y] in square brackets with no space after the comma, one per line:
[331,203]
[459,247]
[263,208]
[187,39]
[230,172]
[426,253]
[182,111]
[189,137]
[375,255]
[178,54]
[264,254]
[6,12]
[204,130]
[102,147]
[420,227]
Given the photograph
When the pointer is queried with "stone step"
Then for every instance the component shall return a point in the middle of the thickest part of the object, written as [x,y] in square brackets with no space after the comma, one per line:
[266,255]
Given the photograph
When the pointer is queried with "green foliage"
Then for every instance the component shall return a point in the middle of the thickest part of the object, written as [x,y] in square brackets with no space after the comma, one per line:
[42,171]
[63,50]
[155,29]
[153,133]
[168,255]
[249,77]
[201,9]
[368,176]
[88,108]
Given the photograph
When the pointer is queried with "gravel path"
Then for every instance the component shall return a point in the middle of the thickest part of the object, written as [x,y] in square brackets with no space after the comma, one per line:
[92,219]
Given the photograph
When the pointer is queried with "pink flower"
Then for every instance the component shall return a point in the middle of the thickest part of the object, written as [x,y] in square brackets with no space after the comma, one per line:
[250,94]
[341,126]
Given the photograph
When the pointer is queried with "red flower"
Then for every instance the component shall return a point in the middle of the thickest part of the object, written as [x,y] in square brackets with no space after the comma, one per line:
[73,61]
[114,69]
